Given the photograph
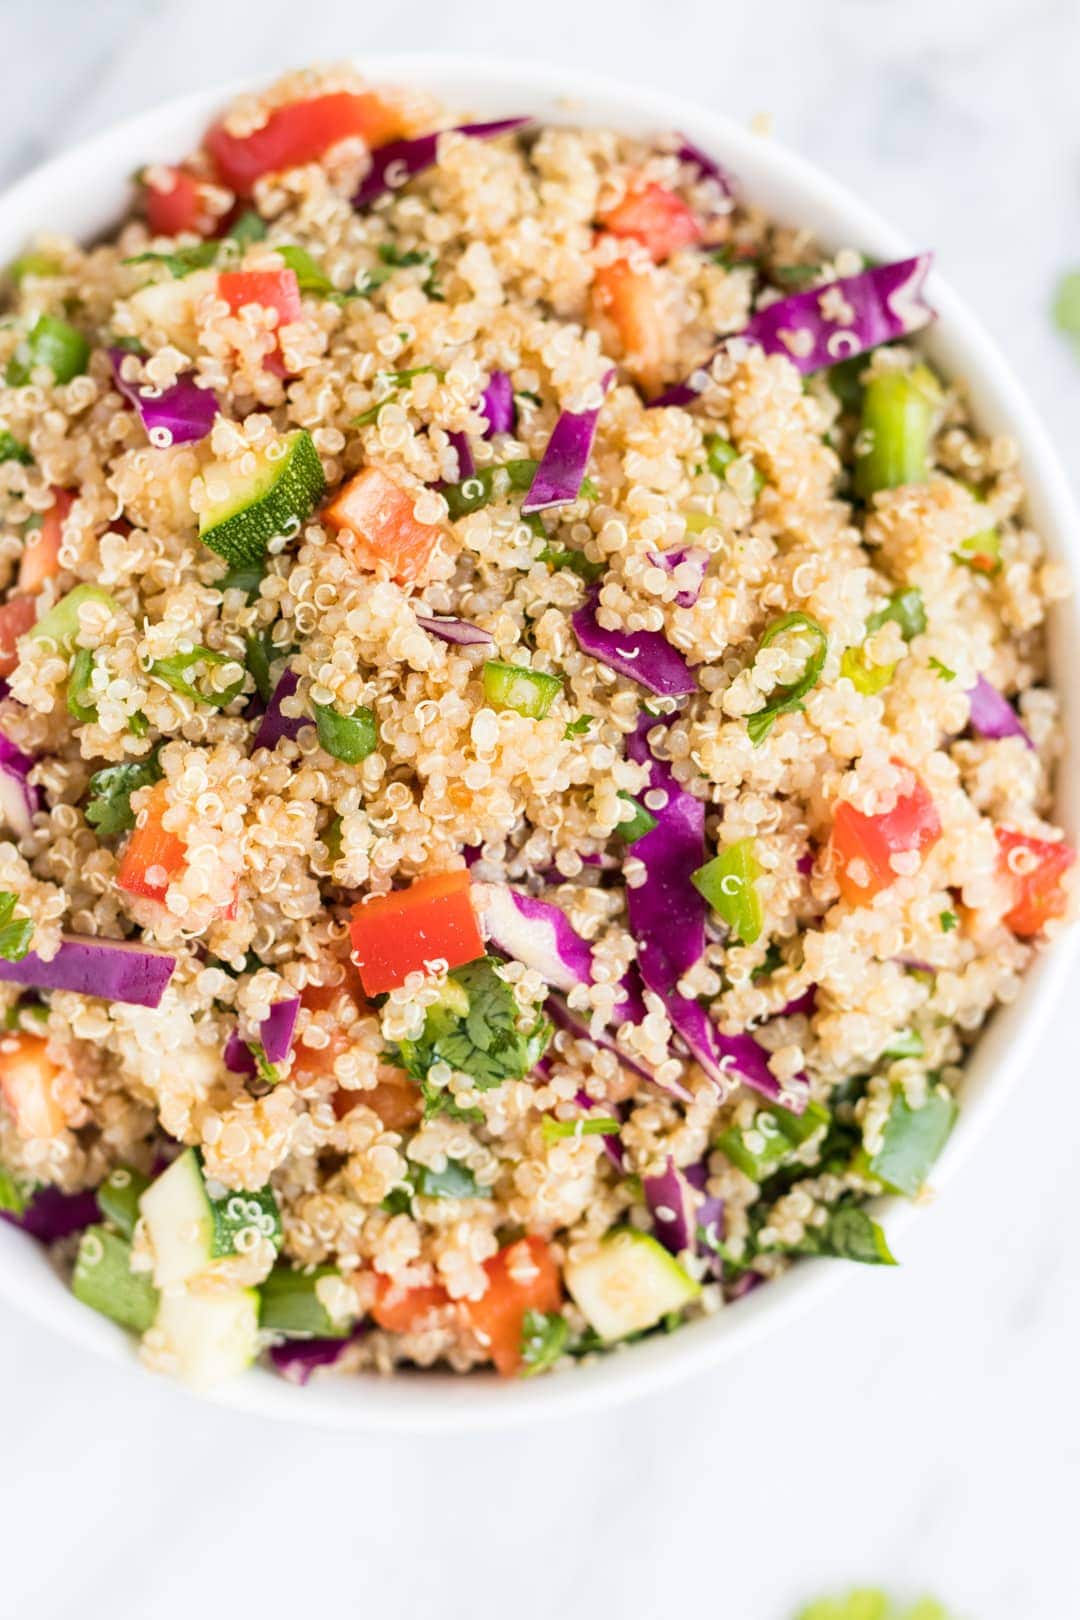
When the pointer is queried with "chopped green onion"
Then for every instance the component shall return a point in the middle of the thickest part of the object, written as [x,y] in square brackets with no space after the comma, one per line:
[138,724]
[31,264]
[15,932]
[250,227]
[310,276]
[949,920]
[174,672]
[943,670]
[82,670]
[721,455]
[899,411]
[397,380]
[103,1279]
[12,450]
[776,1132]
[576,561]
[455,1181]
[912,1140]
[593,1125]
[490,483]
[728,883]
[528,692]
[182,261]
[845,380]
[640,823]
[543,1340]
[907,1044]
[50,342]
[243,576]
[349,737]
[788,699]
[904,608]
[14,1196]
[795,277]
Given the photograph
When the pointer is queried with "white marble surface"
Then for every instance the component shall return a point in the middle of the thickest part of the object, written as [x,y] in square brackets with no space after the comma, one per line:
[922,1429]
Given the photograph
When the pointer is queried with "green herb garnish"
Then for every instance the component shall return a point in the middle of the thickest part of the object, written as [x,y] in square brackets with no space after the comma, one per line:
[543,1340]
[15,932]
[788,699]
[109,808]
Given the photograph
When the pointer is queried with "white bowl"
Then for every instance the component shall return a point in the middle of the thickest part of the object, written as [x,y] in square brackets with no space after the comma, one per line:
[83,192]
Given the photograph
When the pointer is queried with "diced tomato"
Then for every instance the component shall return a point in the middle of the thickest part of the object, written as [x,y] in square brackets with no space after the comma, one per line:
[299,133]
[378,514]
[176,204]
[862,846]
[1034,868]
[628,298]
[655,217]
[395,1098]
[522,1277]
[394,934]
[273,289]
[41,556]
[403,1310]
[17,614]
[154,856]
[27,1084]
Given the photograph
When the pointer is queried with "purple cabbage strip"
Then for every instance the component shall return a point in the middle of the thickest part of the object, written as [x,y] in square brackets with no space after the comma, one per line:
[611,1144]
[394,165]
[670,1202]
[745,1284]
[644,656]
[179,414]
[237,1054]
[19,802]
[116,970]
[537,933]
[457,631]
[683,394]
[497,405]
[558,478]
[277,1029]
[708,1217]
[297,1359]
[706,166]
[804,1004]
[274,724]
[466,464]
[670,560]
[573,1023]
[51,1214]
[992,715]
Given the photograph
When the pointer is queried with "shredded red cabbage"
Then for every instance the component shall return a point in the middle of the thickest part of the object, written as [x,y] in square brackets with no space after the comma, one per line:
[670,560]
[51,1214]
[644,656]
[457,631]
[535,932]
[274,724]
[237,1054]
[179,414]
[993,716]
[565,1018]
[804,1004]
[115,969]
[558,478]
[497,405]
[708,1217]
[297,1359]
[706,166]
[19,802]
[466,464]
[671,1202]
[394,165]
[277,1029]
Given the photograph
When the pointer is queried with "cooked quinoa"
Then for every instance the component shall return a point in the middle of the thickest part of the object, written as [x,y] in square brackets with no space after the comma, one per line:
[434,1041]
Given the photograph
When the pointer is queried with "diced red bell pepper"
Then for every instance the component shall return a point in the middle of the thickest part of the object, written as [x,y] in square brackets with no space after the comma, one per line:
[1034,868]
[300,132]
[40,560]
[628,298]
[404,1310]
[654,216]
[394,1097]
[378,514]
[273,289]
[17,615]
[863,846]
[395,934]
[27,1084]
[522,1277]
[175,202]
[154,857]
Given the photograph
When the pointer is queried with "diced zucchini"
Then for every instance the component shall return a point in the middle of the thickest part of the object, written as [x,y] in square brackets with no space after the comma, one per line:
[61,623]
[912,1140]
[248,511]
[190,1225]
[104,1280]
[170,306]
[289,1303]
[628,1285]
[212,1336]
[237,1215]
[759,1148]
[528,692]
[118,1198]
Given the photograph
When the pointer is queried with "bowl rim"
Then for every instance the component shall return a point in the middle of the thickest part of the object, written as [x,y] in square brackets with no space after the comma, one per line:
[426,1402]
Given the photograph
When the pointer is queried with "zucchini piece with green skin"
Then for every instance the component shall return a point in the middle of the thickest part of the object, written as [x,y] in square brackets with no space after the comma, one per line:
[189,1228]
[61,623]
[104,1280]
[208,1337]
[118,1198]
[289,1303]
[246,512]
[629,1284]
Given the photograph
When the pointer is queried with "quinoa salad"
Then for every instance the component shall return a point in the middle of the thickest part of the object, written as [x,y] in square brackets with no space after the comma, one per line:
[525,749]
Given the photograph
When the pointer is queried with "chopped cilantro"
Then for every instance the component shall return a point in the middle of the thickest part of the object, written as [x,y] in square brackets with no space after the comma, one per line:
[250,227]
[183,261]
[579,727]
[174,672]
[12,450]
[474,1030]
[397,380]
[948,920]
[848,1234]
[109,809]
[943,670]
[455,1181]
[15,932]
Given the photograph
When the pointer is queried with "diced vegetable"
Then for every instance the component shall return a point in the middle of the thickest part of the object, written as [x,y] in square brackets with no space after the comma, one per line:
[15,932]
[12,450]
[992,715]
[104,1280]
[863,846]
[912,1140]
[118,1198]
[174,202]
[109,806]
[644,656]
[671,1204]
[707,167]
[28,1079]
[50,342]
[19,802]
[535,932]
[641,822]
[886,302]
[297,1359]
[277,1028]
[543,1340]
[396,934]
[904,608]
[1035,869]
[289,1303]
[52,1215]
[17,615]
[776,1132]
[209,1337]
[154,856]
[274,724]
[401,161]
[246,512]
[40,560]
[630,300]
[180,414]
[270,289]
[728,883]
[404,1310]
[497,405]
[189,1229]
[899,411]
[689,558]
[348,737]
[529,692]
[62,622]
[628,1285]
[654,216]
[491,483]
[300,132]
[379,515]
[457,632]
[117,970]
[980,552]
[849,1233]
[562,1130]
[522,1277]
[788,699]
[558,479]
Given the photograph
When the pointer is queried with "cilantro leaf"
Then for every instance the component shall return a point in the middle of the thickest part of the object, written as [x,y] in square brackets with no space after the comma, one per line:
[15,932]
[455,1181]
[109,809]
[848,1234]
[481,1037]
[183,261]
[543,1339]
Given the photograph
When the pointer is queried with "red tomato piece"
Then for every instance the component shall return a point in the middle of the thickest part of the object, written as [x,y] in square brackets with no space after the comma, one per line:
[273,289]
[41,557]
[395,1098]
[655,217]
[154,856]
[17,615]
[404,1310]
[522,1277]
[395,934]
[628,298]
[299,133]
[176,204]
[27,1084]
[862,846]
[378,514]
[1034,868]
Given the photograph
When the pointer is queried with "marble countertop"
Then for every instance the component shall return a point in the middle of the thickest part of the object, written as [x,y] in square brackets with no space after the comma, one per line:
[921,1429]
